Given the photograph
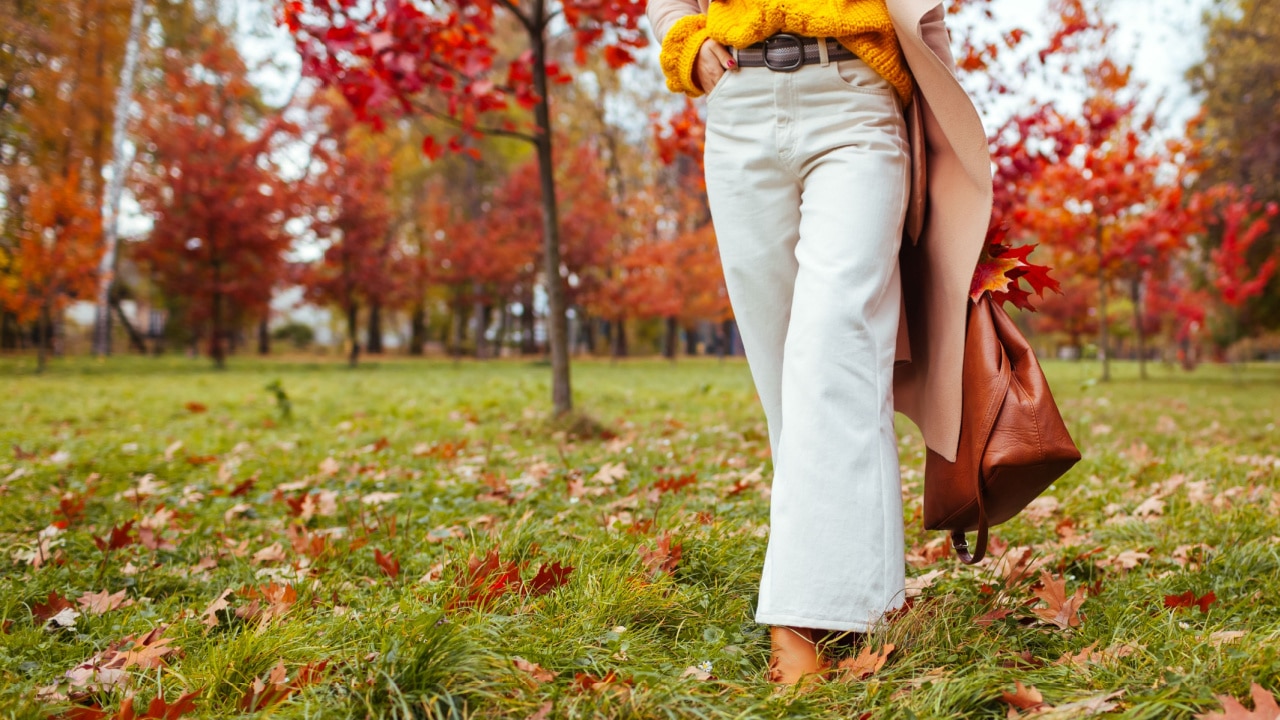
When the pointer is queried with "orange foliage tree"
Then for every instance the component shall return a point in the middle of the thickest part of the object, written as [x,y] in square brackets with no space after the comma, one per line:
[55,257]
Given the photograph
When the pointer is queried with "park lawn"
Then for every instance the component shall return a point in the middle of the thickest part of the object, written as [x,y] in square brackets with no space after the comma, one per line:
[317,564]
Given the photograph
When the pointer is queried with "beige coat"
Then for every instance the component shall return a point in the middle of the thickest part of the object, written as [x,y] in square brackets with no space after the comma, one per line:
[947,218]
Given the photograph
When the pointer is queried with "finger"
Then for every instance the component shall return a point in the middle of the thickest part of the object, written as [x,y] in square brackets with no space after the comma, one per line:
[723,55]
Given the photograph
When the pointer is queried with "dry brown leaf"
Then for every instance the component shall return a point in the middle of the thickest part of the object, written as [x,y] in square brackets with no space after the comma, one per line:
[101,602]
[990,617]
[1062,611]
[1127,560]
[1226,636]
[1023,697]
[866,664]
[917,585]
[1264,707]
[534,670]
[697,673]
[210,613]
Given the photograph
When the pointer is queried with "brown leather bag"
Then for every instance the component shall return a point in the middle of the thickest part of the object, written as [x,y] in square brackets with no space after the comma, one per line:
[1013,443]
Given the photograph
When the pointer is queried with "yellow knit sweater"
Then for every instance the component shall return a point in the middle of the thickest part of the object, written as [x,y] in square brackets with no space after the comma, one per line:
[863,26]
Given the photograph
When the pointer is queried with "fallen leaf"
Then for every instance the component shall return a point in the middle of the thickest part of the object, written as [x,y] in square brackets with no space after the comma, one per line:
[610,473]
[389,564]
[52,606]
[549,577]
[662,558]
[1264,707]
[1189,599]
[534,670]
[101,602]
[988,618]
[865,664]
[1023,697]
[210,613]
[917,585]
[1061,610]
[1226,636]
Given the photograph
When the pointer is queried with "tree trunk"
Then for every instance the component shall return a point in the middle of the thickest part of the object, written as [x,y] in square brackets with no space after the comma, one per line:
[353,333]
[691,341]
[671,340]
[44,328]
[726,342]
[1135,290]
[457,328]
[557,320]
[373,345]
[504,329]
[119,165]
[264,336]
[1103,338]
[618,339]
[528,343]
[216,349]
[418,330]
[135,338]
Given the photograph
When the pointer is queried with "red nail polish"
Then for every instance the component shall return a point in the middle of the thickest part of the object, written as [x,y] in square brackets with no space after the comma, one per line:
[732,63]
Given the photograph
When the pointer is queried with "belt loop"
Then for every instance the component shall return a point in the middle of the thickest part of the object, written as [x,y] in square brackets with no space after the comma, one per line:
[822,51]
[734,49]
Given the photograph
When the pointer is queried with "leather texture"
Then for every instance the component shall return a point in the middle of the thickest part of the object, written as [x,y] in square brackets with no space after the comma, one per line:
[1013,442]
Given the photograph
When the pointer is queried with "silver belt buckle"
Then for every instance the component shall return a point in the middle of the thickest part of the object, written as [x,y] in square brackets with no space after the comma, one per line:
[786,38]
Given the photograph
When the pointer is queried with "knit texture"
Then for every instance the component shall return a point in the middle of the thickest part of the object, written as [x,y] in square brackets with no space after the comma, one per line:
[680,51]
[863,26]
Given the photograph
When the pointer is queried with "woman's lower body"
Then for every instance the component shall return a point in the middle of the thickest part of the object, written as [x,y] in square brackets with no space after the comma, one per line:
[808,178]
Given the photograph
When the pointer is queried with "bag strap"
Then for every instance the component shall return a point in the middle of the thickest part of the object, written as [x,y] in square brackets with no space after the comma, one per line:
[962,546]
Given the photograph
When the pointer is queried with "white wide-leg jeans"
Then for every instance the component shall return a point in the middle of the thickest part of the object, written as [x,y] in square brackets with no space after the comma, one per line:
[808,178]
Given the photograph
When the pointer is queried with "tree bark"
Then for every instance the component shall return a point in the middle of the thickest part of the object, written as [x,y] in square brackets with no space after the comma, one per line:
[1102,313]
[44,332]
[671,339]
[618,339]
[557,320]
[528,343]
[418,330]
[119,165]
[1135,290]
[373,344]
[264,337]
[353,333]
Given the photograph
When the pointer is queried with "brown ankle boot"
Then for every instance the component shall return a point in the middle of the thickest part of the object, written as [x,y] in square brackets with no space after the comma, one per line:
[795,653]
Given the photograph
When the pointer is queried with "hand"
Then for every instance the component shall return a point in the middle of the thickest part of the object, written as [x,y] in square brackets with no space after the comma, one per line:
[713,60]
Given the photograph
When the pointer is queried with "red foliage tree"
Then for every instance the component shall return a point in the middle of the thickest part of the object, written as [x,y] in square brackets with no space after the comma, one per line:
[1239,221]
[352,219]
[214,190]
[443,58]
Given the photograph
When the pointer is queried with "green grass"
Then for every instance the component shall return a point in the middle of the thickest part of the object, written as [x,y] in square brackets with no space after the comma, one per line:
[441,436]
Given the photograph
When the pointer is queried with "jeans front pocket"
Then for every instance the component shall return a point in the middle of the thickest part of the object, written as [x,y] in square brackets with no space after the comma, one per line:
[855,74]
[720,83]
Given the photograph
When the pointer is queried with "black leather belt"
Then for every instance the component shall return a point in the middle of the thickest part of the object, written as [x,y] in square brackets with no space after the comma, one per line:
[786,52]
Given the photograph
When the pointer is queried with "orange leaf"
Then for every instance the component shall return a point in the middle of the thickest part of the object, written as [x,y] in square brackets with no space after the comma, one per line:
[1024,697]
[1264,707]
[1062,611]
[389,564]
[866,664]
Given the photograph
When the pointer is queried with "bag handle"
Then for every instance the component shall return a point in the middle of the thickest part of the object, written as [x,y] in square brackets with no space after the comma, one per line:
[961,545]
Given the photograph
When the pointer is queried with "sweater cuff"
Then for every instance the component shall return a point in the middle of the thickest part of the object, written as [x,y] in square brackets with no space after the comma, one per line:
[680,51]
